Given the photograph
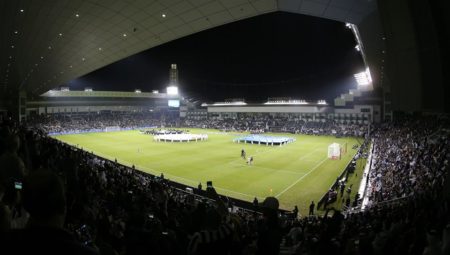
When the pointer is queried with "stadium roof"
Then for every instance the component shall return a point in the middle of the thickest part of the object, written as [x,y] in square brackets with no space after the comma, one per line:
[97,94]
[47,43]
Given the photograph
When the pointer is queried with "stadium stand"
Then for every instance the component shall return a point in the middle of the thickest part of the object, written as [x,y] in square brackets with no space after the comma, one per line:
[96,206]
[77,123]
[407,161]
[268,123]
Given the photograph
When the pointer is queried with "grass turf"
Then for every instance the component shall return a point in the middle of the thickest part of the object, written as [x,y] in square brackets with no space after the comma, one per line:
[296,173]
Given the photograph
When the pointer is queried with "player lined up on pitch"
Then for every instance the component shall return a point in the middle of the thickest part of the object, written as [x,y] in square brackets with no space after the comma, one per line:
[244,156]
[250,160]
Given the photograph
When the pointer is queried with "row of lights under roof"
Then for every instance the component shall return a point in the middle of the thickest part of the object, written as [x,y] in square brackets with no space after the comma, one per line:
[10,57]
[70,66]
[7,72]
[77,15]
[12,46]
[16,32]
[49,48]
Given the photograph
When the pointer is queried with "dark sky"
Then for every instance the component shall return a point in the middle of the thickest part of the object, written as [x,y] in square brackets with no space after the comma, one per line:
[273,55]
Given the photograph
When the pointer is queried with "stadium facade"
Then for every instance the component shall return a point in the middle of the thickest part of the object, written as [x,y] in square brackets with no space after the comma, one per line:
[78,102]
[82,102]
[312,112]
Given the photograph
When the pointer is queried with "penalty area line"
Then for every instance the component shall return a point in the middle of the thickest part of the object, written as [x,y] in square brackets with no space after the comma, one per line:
[218,188]
[301,178]
[155,172]
[273,170]
[309,153]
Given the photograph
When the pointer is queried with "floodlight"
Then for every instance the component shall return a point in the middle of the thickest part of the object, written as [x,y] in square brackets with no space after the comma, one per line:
[172,90]
[322,102]
[357,47]
[155,91]
[88,90]
[229,103]
[137,91]
[286,102]
[363,78]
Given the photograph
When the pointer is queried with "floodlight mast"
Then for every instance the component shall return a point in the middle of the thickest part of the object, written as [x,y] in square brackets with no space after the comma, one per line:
[172,89]
[364,79]
[173,78]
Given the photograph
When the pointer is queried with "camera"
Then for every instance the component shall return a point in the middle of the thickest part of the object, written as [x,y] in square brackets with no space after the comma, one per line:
[209,184]
[84,235]
[18,185]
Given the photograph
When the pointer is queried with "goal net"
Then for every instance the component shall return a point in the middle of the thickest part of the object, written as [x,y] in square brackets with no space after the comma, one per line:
[112,128]
[334,151]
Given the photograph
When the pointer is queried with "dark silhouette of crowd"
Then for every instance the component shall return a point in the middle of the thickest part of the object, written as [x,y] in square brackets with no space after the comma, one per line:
[96,121]
[57,199]
[269,123]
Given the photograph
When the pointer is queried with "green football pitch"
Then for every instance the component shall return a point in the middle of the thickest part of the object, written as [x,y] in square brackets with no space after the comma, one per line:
[296,173]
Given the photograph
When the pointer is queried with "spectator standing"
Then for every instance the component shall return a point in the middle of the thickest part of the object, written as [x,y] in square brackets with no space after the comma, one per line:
[255,202]
[269,232]
[295,212]
[44,198]
[311,208]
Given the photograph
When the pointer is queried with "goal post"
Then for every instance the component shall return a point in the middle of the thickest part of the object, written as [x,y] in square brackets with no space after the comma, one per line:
[334,151]
[112,128]
[344,148]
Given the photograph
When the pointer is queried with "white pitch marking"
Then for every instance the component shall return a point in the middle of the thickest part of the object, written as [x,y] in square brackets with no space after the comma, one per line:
[195,182]
[309,153]
[269,169]
[155,172]
[301,178]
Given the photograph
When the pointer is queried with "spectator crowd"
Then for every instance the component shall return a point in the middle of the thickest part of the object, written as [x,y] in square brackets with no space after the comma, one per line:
[410,158]
[55,198]
[75,123]
[268,123]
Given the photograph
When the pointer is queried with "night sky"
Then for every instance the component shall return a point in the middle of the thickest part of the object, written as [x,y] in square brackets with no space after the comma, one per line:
[273,55]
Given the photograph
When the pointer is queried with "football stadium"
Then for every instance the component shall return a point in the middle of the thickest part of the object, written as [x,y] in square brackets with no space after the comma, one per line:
[224,127]
[294,173]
